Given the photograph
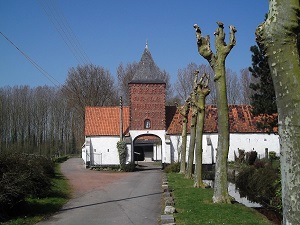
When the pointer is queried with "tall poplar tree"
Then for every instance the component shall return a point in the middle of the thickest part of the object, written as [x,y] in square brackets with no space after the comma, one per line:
[279,37]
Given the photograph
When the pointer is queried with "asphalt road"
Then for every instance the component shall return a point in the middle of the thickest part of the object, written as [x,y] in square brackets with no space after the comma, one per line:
[126,199]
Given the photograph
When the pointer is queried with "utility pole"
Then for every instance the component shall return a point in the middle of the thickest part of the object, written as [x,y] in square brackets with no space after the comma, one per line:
[121,119]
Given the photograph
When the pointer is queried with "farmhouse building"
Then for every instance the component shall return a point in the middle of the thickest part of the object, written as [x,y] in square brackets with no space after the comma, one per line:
[152,130]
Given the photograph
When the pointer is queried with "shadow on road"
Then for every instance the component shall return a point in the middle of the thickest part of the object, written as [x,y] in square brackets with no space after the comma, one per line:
[115,200]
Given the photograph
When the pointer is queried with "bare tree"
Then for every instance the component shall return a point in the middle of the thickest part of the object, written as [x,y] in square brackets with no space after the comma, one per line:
[184,112]
[279,37]
[193,99]
[125,75]
[246,80]
[185,81]
[89,85]
[185,78]
[217,62]
[202,91]
[233,87]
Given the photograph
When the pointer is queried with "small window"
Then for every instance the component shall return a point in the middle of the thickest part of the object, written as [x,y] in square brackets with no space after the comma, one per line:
[147,124]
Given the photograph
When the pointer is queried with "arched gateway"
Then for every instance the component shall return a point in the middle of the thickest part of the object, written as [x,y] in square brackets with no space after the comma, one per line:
[147,148]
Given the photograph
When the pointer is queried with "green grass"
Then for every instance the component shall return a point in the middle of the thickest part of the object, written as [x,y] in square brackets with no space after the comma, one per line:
[195,206]
[37,209]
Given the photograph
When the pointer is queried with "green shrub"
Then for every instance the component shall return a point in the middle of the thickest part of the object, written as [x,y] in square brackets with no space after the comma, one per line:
[251,157]
[172,168]
[122,149]
[61,159]
[23,176]
[272,155]
[260,183]
[129,167]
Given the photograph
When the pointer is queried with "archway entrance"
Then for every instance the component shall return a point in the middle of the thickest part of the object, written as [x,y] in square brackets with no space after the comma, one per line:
[147,148]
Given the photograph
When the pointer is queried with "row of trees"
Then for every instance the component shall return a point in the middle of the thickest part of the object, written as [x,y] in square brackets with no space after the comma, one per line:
[278,40]
[238,91]
[50,120]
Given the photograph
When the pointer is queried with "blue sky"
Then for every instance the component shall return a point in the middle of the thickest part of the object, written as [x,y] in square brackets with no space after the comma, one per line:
[115,31]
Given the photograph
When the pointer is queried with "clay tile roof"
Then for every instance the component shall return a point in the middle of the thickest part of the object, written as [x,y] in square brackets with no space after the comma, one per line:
[241,120]
[105,121]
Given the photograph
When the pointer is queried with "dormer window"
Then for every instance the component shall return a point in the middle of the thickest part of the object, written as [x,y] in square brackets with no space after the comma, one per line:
[147,124]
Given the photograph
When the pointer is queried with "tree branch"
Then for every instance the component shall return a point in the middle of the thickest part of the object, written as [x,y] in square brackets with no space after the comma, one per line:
[204,46]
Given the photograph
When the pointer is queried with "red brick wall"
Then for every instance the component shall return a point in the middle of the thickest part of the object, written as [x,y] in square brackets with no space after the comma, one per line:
[147,101]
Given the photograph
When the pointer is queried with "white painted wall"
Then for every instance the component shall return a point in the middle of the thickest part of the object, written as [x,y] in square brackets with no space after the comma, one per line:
[255,142]
[104,148]
[248,142]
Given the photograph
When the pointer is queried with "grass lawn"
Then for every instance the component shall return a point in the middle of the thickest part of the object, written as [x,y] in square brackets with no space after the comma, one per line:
[35,210]
[195,206]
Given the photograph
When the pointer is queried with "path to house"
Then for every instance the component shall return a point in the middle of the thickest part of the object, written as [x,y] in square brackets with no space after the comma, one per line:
[110,198]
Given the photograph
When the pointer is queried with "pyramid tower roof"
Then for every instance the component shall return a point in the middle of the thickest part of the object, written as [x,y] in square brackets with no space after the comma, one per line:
[147,71]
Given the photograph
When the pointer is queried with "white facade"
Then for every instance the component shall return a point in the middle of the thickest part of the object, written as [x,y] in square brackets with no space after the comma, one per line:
[247,141]
[102,150]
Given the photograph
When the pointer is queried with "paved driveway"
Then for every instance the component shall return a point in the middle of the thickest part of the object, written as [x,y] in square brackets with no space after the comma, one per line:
[110,198]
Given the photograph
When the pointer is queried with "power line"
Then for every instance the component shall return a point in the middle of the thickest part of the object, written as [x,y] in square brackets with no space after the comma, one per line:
[62,26]
[39,68]
[47,75]
[77,43]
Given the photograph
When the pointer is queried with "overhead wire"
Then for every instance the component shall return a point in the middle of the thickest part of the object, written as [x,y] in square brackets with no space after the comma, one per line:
[55,82]
[45,73]
[76,41]
[57,19]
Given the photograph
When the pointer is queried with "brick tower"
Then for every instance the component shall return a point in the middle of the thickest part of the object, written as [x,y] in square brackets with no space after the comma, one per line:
[147,96]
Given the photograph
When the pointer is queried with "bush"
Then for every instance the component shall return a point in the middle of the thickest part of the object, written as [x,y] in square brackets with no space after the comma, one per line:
[173,168]
[23,176]
[251,157]
[260,183]
[129,167]
[122,149]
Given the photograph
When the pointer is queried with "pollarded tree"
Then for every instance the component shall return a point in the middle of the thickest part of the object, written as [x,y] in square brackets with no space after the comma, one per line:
[217,63]
[193,99]
[202,91]
[279,37]
[184,112]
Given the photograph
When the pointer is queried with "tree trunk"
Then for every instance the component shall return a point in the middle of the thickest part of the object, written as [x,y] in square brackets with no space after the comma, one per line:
[202,92]
[193,98]
[189,169]
[184,112]
[221,188]
[217,63]
[279,37]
